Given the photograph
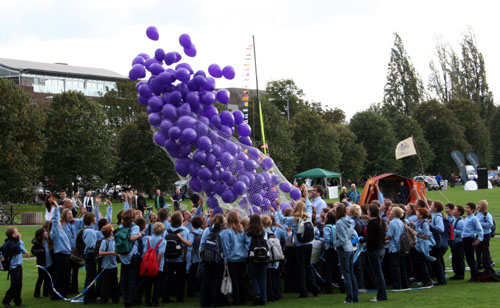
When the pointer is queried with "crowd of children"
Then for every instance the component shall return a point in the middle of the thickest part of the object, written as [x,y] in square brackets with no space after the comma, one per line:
[359,247]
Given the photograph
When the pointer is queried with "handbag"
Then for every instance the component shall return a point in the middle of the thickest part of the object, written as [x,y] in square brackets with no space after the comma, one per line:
[227,285]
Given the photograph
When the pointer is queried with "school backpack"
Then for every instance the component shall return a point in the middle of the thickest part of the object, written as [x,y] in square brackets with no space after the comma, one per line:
[80,245]
[196,243]
[149,264]
[305,231]
[410,235]
[123,244]
[404,243]
[259,250]
[212,249]
[173,250]
[448,230]
[10,248]
[274,246]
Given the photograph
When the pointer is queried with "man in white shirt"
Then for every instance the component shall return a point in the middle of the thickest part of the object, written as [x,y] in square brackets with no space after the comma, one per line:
[317,202]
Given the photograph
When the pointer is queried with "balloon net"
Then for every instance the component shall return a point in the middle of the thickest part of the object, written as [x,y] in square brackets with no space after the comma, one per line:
[211,151]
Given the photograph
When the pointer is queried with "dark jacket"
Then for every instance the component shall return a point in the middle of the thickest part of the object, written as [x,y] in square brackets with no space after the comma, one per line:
[141,203]
[38,251]
[159,202]
[375,234]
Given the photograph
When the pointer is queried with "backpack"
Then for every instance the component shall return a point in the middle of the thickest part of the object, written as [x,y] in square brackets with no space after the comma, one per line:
[448,230]
[359,226]
[259,250]
[196,243]
[439,237]
[274,246]
[80,245]
[10,248]
[289,240]
[212,249]
[404,243]
[98,257]
[411,236]
[305,231]
[173,250]
[123,244]
[149,264]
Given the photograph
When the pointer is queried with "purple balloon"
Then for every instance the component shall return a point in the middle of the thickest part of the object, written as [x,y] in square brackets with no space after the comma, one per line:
[165,125]
[184,110]
[223,96]
[211,161]
[138,60]
[204,173]
[160,54]
[209,111]
[186,122]
[239,188]
[144,55]
[145,91]
[170,58]
[226,118]
[178,56]
[295,194]
[138,70]
[275,180]
[227,196]
[207,98]
[160,138]
[187,136]
[286,187]
[192,99]
[199,80]
[249,165]
[238,117]
[212,203]
[226,175]
[215,71]
[185,40]
[195,184]
[204,143]
[182,74]
[191,51]
[174,132]
[284,207]
[215,120]
[210,85]
[181,167]
[244,130]
[228,72]
[256,199]
[267,163]
[156,69]
[231,147]
[154,119]
[150,62]
[218,210]
[220,187]
[152,33]
[199,156]
[155,103]
[226,159]
[245,140]
[169,112]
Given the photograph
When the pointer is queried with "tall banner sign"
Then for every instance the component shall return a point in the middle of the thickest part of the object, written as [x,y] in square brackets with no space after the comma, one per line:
[247,63]
[473,160]
[459,159]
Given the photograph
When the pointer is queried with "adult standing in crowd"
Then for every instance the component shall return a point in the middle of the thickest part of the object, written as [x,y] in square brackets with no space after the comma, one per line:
[343,197]
[159,200]
[354,194]
[375,250]
[483,249]
[88,202]
[76,202]
[317,202]
[141,202]
[472,236]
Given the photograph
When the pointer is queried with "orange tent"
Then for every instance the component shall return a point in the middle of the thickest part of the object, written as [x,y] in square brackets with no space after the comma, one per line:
[389,184]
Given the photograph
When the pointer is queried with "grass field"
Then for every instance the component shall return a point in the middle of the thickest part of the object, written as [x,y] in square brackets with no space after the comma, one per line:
[455,294]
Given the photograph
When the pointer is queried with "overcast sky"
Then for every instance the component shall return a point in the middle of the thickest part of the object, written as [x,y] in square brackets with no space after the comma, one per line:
[336,51]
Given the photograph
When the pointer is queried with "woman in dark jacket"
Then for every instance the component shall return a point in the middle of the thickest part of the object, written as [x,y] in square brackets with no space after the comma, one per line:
[41,251]
[375,249]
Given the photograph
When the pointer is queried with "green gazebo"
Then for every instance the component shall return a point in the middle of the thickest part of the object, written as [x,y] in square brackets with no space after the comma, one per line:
[318,173]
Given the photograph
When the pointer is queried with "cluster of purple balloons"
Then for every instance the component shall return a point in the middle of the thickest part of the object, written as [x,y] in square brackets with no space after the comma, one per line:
[199,139]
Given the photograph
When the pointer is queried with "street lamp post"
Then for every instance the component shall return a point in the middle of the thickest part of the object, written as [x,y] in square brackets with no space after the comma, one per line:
[287,105]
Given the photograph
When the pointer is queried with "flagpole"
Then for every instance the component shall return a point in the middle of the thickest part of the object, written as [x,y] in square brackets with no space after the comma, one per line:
[418,154]
[258,101]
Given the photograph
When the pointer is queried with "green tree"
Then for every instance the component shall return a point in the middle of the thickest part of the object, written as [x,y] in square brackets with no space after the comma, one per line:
[353,157]
[21,142]
[404,127]
[79,151]
[334,115]
[279,137]
[141,163]
[476,133]
[375,133]
[443,132]
[121,105]
[283,90]
[404,89]
[495,138]
[316,143]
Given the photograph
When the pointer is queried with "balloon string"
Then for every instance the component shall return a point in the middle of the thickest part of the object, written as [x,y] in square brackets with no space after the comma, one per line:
[74,297]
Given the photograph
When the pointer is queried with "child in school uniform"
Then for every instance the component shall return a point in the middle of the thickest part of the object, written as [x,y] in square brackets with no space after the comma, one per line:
[176,267]
[273,274]
[13,249]
[157,282]
[89,252]
[109,287]
[193,284]
[62,252]
[41,251]
[258,274]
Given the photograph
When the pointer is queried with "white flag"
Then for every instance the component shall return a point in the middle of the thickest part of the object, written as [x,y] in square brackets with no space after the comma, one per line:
[405,148]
